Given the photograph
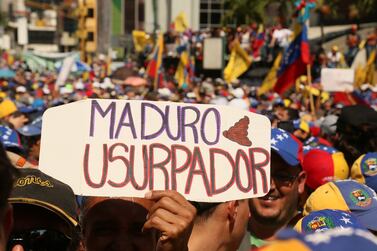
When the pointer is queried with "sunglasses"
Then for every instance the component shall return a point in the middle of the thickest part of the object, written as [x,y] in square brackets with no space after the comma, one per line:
[39,240]
[284,178]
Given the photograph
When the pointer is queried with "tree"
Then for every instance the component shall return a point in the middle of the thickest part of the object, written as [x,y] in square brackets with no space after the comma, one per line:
[246,11]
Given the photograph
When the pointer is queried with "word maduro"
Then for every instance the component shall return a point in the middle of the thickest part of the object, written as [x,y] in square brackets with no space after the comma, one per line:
[194,167]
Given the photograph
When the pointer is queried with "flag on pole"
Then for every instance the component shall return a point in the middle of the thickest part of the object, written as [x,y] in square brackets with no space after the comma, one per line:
[140,39]
[238,63]
[295,60]
[155,63]
[180,23]
[185,70]
[366,73]
[270,80]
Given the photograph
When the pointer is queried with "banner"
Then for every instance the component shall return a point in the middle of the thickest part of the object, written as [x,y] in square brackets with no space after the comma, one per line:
[213,54]
[126,148]
[337,80]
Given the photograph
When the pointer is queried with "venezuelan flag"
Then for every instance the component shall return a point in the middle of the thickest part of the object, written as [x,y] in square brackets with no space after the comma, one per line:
[295,60]
[155,62]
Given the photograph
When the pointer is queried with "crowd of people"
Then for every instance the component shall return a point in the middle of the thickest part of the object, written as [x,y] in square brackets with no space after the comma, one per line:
[323,162]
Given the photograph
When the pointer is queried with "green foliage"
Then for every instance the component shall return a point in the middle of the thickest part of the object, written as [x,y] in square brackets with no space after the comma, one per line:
[246,11]
[241,12]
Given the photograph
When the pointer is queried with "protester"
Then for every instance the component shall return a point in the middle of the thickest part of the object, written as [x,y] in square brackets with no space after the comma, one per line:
[161,221]
[224,222]
[357,132]
[353,39]
[45,214]
[335,58]
[280,205]
[7,175]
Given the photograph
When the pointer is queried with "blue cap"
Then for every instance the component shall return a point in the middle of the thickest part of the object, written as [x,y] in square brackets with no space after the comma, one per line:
[328,149]
[323,220]
[364,170]
[338,239]
[287,146]
[32,129]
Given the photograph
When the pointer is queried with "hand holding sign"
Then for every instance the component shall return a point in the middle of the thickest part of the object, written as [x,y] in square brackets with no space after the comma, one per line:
[173,216]
[125,148]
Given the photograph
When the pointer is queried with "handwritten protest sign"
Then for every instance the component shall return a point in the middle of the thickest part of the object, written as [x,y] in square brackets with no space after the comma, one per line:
[125,148]
[337,80]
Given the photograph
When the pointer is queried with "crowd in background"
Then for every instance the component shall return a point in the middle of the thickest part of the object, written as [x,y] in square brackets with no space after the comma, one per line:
[323,158]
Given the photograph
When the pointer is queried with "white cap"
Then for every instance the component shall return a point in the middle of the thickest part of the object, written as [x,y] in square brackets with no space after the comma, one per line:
[21,89]
[238,93]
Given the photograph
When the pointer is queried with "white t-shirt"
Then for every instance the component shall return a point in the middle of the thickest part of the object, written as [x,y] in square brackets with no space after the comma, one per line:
[282,36]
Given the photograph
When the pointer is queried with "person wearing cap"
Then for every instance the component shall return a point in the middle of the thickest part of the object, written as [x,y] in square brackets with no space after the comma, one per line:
[335,58]
[10,116]
[7,175]
[161,221]
[346,195]
[224,222]
[280,205]
[357,132]
[45,213]
[31,138]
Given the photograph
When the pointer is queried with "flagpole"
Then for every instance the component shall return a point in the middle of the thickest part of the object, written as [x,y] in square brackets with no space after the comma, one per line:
[311,99]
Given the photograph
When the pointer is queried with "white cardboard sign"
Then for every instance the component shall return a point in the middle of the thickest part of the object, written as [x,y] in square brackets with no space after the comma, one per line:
[125,148]
[337,80]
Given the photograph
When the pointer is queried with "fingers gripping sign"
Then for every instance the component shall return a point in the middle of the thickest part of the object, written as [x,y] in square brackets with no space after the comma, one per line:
[173,216]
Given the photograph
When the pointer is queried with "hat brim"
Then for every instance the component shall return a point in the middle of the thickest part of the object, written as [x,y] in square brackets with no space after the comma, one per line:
[367,218]
[47,206]
[287,157]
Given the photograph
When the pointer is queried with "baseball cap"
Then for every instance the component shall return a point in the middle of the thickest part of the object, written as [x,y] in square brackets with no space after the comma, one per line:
[7,107]
[323,164]
[32,129]
[347,195]
[36,188]
[323,220]
[287,146]
[338,239]
[328,125]
[364,170]
[301,124]
[10,140]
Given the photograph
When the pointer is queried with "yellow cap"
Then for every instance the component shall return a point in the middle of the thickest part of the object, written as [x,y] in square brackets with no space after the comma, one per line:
[287,102]
[7,107]
[327,196]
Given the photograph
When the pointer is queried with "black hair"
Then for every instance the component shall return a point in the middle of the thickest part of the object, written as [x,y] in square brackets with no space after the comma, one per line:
[204,210]
[293,114]
[7,175]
